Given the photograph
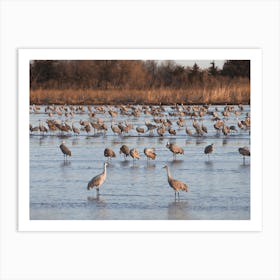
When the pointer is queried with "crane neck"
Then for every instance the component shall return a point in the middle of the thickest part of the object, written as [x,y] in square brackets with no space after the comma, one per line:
[104,169]
[168,172]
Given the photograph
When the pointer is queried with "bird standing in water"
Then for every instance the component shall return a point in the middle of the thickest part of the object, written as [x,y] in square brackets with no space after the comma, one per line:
[176,185]
[109,153]
[209,149]
[65,150]
[98,180]
[244,151]
[175,149]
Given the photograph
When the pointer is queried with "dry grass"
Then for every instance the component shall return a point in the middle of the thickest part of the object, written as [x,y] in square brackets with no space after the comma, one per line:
[231,94]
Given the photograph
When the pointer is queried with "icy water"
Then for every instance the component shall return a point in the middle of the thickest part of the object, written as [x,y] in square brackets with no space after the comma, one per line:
[219,187]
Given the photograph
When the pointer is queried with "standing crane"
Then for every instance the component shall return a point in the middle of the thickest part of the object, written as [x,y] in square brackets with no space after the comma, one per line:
[98,180]
[65,150]
[150,153]
[175,149]
[134,154]
[209,149]
[176,185]
[244,151]
[124,150]
[109,153]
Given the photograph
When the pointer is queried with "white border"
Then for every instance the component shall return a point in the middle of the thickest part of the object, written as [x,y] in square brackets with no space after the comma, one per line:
[254,224]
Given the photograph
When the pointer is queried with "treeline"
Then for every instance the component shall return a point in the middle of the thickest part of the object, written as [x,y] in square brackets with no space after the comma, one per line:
[133,74]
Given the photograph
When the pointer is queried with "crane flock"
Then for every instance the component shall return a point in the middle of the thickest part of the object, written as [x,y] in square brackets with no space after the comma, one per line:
[165,122]
[61,120]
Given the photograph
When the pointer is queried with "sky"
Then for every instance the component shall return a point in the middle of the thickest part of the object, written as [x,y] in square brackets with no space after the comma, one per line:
[201,63]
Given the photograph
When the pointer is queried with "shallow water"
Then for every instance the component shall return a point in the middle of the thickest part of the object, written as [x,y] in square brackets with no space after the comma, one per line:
[219,187]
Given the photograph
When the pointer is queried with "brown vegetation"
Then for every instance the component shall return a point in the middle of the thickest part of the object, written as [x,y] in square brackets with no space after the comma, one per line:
[234,94]
[137,82]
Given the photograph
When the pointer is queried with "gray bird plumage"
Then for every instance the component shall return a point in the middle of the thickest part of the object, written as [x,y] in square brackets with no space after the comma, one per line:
[124,150]
[65,150]
[109,153]
[175,149]
[98,180]
[134,154]
[150,153]
[209,149]
[176,185]
[244,151]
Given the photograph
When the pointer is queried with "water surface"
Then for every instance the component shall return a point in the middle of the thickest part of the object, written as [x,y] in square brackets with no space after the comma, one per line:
[219,186]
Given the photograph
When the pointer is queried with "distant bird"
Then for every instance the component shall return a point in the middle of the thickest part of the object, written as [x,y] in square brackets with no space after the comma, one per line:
[175,149]
[188,131]
[218,125]
[65,150]
[204,128]
[98,180]
[233,128]
[134,154]
[109,153]
[209,149]
[75,129]
[226,130]
[244,151]
[124,150]
[150,153]
[115,129]
[176,185]
[160,131]
[172,131]
[239,123]
[150,127]
[140,130]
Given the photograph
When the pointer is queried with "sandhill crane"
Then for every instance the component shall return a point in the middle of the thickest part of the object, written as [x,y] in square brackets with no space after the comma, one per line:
[140,130]
[134,154]
[209,149]
[175,149]
[176,185]
[109,153]
[98,180]
[239,123]
[115,129]
[180,122]
[124,150]
[42,128]
[150,153]
[87,128]
[76,130]
[65,150]
[172,131]
[197,127]
[240,106]
[113,114]
[188,131]
[150,126]
[226,130]
[204,128]
[244,151]
[233,128]
[160,131]
[218,125]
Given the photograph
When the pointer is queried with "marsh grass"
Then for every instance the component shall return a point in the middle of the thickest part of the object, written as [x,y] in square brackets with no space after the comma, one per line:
[230,93]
